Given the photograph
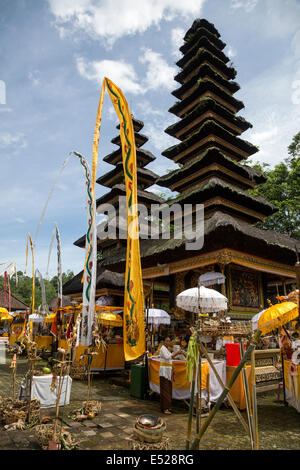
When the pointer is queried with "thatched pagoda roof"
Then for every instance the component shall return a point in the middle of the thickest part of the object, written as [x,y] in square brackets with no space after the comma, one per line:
[193,34]
[207,104]
[143,157]
[204,71]
[212,155]
[221,231]
[206,85]
[105,278]
[202,42]
[204,55]
[210,128]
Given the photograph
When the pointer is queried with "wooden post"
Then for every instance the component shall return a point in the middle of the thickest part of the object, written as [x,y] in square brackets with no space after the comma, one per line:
[230,399]
[254,401]
[227,389]
[247,397]
[191,410]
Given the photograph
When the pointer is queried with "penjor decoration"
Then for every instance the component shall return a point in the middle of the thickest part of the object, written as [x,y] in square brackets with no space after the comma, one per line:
[134,317]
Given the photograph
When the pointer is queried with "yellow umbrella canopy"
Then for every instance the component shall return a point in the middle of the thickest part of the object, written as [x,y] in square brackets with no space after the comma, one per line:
[110,319]
[50,318]
[277,316]
[4,315]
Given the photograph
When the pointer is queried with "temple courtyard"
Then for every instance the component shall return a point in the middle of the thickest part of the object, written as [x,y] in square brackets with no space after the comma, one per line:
[279,425]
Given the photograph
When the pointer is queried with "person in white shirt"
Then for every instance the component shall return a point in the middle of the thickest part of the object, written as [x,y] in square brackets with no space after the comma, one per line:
[165,375]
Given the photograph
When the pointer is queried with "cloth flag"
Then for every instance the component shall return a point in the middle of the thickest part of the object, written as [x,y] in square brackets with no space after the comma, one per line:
[134,316]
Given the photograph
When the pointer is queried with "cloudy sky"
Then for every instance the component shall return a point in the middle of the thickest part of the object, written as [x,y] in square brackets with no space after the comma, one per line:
[53,57]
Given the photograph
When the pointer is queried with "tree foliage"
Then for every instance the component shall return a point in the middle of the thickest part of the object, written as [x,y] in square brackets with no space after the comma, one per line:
[23,290]
[282,189]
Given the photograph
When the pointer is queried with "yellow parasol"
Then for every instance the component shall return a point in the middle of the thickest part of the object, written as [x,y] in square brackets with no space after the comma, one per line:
[50,318]
[277,316]
[4,315]
[110,319]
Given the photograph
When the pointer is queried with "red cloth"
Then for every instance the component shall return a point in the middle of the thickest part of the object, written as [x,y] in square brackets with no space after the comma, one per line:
[54,326]
[233,356]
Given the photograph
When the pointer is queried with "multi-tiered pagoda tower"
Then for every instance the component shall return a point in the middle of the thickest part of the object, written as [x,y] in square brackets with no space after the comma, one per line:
[110,283]
[213,172]
[209,129]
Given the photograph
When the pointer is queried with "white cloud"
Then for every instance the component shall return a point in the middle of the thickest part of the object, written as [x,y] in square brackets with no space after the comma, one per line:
[159,73]
[111,20]
[34,77]
[118,71]
[230,52]
[177,35]
[247,5]
[8,139]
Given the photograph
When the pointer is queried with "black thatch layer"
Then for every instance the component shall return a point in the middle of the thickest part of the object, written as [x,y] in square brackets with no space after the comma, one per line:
[145,178]
[201,23]
[140,139]
[221,231]
[205,105]
[205,43]
[212,155]
[204,70]
[201,31]
[206,85]
[137,125]
[120,190]
[201,56]
[105,279]
[16,304]
[143,157]
[210,127]
[217,187]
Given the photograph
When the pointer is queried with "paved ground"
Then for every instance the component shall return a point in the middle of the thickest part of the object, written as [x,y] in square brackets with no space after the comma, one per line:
[279,425]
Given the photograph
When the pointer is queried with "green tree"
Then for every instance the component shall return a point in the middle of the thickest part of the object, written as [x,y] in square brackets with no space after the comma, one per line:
[282,189]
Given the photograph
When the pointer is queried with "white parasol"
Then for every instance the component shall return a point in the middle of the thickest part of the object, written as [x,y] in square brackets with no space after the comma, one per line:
[210,278]
[157,316]
[201,300]
[35,318]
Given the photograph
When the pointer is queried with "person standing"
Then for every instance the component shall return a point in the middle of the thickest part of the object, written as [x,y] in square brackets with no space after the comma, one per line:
[165,375]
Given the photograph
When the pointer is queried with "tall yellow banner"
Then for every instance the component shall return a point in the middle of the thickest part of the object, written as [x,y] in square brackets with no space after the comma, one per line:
[134,308]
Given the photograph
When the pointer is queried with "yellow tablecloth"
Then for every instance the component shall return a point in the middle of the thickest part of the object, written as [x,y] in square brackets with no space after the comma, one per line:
[114,356]
[180,385]
[292,384]
[44,342]
[237,390]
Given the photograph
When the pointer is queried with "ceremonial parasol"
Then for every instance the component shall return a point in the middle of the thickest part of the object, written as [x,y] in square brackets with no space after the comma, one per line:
[255,319]
[211,278]
[157,316]
[201,300]
[4,315]
[50,318]
[277,316]
[110,319]
[35,318]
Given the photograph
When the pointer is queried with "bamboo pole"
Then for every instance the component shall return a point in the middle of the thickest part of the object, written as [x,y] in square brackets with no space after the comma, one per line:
[247,398]
[225,392]
[254,402]
[230,399]
[191,410]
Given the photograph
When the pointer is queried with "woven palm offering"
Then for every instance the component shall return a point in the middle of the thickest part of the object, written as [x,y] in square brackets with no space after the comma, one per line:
[77,372]
[217,327]
[137,445]
[47,432]
[15,410]
[92,407]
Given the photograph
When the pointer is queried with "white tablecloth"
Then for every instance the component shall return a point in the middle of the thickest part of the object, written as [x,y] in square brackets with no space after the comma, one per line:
[41,390]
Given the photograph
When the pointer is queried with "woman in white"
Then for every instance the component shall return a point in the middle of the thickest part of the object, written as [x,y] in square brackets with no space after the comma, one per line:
[165,375]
